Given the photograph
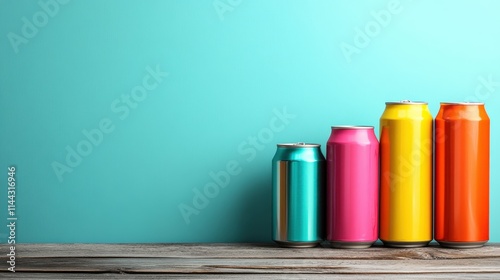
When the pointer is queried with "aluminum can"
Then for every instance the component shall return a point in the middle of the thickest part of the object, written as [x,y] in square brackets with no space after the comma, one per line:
[462,174]
[352,162]
[298,171]
[406,174]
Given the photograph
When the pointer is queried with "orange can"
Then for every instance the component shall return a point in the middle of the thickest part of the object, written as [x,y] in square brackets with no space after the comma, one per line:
[462,172]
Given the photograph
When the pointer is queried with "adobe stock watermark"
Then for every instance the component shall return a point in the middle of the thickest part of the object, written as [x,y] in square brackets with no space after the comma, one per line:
[407,166]
[224,6]
[482,92]
[484,89]
[421,155]
[373,28]
[121,108]
[11,217]
[31,26]
[248,149]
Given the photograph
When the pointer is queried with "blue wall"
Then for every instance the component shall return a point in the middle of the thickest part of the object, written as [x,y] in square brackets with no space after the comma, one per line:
[116,114]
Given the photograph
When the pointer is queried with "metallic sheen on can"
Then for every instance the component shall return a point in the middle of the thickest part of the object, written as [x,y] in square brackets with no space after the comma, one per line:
[352,160]
[298,171]
[406,174]
[462,174]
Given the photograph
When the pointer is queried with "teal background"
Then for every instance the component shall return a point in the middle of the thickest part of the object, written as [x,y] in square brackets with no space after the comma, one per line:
[227,76]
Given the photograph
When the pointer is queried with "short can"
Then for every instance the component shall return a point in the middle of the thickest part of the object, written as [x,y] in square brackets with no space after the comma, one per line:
[298,186]
[352,160]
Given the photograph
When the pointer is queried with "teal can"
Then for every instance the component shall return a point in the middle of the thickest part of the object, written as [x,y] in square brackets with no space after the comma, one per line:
[298,195]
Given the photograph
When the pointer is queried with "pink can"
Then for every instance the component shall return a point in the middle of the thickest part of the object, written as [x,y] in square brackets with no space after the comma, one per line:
[352,187]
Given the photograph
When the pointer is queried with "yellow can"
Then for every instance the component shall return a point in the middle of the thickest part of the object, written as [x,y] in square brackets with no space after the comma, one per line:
[406,174]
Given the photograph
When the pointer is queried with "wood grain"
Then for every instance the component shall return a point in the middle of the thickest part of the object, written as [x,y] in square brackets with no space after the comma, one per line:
[246,250]
[52,276]
[250,261]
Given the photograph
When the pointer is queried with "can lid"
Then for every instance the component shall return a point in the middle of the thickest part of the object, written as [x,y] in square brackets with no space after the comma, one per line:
[298,145]
[352,127]
[406,102]
[463,103]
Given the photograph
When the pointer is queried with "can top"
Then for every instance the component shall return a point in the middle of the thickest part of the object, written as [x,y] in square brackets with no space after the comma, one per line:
[352,127]
[299,145]
[463,103]
[406,102]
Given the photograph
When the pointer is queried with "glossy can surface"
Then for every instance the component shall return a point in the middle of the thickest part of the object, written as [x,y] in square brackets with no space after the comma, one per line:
[462,175]
[352,187]
[298,195]
[406,174]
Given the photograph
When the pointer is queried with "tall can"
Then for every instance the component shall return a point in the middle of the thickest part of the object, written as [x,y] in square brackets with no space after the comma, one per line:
[406,174]
[462,174]
[298,195]
[352,160]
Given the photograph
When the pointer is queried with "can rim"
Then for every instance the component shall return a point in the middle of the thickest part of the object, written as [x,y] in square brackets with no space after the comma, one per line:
[298,145]
[352,127]
[406,102]
[462,103]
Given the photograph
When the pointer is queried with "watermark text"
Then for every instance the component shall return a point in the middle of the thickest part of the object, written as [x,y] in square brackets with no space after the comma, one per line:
[120,107]
[11,218]
[31,26]
[248,149]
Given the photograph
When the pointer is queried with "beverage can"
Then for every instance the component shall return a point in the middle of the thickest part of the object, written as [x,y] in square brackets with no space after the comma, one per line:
[298,171]
[406,174]
[462,174]
[352,191]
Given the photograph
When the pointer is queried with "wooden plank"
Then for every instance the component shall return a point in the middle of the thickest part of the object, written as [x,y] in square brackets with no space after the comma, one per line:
[245,250]
[110,276]
[249,261]
[256,266]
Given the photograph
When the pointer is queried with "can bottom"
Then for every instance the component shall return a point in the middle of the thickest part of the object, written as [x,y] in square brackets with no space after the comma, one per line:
[462,245]
[350,245]
[297,244]
[405,244]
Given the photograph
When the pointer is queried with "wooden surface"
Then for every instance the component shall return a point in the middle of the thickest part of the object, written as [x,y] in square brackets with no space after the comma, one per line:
[246,261]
